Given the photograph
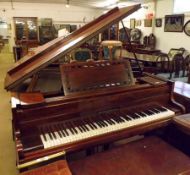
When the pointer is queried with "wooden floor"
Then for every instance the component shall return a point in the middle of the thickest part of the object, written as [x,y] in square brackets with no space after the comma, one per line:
[7,151]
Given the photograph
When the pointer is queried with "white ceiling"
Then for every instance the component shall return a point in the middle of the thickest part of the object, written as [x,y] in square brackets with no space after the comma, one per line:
[85,3]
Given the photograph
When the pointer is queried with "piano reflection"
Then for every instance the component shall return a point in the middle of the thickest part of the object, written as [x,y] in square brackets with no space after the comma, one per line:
[103,102]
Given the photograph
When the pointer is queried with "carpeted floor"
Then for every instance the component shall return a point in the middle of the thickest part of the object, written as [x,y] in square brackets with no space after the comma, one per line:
[7,150]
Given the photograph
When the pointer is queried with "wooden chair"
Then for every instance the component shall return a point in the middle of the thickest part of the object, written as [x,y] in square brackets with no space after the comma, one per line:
[109,47]
[162,64]
[177,65]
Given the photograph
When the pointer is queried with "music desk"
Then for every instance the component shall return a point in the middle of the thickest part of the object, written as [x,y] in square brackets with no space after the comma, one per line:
[149,156]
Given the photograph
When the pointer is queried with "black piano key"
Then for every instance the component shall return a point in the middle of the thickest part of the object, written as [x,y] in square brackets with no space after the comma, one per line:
[70,127]
[93,123]
[58,130]
[43,133]
[102,120]
[147,112]
[95,120]
[124,115]
[162,109]
[64,128]
[61,130]
[152,112]
[133,116]
[155,111]
[108,121]
[53,130]
[49,132]
[73,125]
[84,124]
[90,124]
[76,122]
[142,114]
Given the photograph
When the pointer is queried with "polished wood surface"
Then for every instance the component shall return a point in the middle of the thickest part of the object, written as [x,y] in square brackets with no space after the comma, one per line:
[57,48]
[28,118]
[56,168]
[183,122]
[26,99]
[91,76]
[149,156]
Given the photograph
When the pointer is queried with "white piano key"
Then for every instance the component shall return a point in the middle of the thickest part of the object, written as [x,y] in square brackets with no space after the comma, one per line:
[115,126]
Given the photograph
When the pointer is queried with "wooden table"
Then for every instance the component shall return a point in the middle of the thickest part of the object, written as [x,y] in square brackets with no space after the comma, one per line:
[183,122]
[141,57]
[147,51]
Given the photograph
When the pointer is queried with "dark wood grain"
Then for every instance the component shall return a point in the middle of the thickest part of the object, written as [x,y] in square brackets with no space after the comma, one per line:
[89,76]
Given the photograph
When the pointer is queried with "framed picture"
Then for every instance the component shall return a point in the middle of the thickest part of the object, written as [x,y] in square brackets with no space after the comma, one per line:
[132,23]
[137,23]
[148,23]
[174,23]
[158,22]
[187,28]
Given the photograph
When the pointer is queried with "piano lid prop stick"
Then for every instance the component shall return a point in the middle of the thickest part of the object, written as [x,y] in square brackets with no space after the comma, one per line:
[40,160]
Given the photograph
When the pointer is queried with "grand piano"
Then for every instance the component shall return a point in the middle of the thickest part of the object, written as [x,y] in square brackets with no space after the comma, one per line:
[100,102]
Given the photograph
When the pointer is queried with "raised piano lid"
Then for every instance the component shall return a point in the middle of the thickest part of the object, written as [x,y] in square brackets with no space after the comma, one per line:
[52,51]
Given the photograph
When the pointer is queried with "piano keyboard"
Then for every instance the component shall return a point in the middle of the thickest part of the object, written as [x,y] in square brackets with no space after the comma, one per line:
[71,131]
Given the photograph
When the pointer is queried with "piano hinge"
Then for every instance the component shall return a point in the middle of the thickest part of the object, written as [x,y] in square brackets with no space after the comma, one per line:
[40,160]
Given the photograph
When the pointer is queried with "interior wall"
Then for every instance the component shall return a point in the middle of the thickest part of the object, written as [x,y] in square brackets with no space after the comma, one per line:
[58,12]
[141,15]
[167,40]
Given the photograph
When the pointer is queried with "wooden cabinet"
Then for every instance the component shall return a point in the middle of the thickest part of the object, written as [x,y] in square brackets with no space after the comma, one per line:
[111,33]
[26,31]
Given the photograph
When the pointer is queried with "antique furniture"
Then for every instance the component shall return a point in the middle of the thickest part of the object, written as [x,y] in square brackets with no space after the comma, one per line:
[150,41]
[59,47]
[135,35]
[46,34]
[187,28]
[26,31]
[182,94]
[177,65]
[109,47]
[112,33]
[183,122]
[81,54]
[98,102]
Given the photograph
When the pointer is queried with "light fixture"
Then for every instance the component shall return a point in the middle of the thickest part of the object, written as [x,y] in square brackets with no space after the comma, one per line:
[67,5]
